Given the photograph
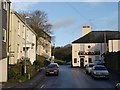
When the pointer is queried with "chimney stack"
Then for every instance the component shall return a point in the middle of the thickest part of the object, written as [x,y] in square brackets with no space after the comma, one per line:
[86,29]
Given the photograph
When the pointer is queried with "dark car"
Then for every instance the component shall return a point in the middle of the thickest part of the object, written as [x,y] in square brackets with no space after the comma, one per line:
[52,69]
[117,87]
[99,62]
[99,71]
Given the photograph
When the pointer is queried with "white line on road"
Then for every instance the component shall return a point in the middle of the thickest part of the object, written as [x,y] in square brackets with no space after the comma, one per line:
[42,86]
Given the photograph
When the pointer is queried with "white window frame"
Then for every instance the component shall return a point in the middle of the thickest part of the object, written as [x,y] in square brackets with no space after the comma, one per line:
[4,32]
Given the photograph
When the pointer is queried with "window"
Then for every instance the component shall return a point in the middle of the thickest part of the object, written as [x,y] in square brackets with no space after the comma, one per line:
[75,60]
[18,27]
[4,35]
[82,47]
[90,60]
[18,51]
[23,32]
[5,5]
[89,46]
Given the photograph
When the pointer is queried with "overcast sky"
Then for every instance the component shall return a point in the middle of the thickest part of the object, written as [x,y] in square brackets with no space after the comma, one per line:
[67,17]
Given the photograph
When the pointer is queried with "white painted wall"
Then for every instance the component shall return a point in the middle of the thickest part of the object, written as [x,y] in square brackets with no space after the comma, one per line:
[3,70]
[114,45]
[17,38]
[76,47]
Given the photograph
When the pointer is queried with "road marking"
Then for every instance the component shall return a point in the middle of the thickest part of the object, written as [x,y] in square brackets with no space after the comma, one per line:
[42,86]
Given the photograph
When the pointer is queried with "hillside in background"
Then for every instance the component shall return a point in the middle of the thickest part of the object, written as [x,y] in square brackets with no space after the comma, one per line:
[63,53]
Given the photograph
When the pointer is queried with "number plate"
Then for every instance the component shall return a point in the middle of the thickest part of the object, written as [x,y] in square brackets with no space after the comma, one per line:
[51,72]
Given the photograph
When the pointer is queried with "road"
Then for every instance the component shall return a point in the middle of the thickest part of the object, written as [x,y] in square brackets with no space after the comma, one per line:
[74,78]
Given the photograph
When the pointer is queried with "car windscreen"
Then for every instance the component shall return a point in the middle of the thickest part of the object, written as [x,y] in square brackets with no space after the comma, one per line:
[52,66]
[91,65]
[100,68]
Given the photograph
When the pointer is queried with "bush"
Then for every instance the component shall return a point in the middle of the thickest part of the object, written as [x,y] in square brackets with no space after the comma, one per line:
[12,74]
[40,61]
[60,62]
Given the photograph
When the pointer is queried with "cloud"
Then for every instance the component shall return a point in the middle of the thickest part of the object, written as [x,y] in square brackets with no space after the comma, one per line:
[64,23]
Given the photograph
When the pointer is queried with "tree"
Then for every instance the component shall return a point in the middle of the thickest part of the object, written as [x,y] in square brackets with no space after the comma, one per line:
[38,19]
[63,53]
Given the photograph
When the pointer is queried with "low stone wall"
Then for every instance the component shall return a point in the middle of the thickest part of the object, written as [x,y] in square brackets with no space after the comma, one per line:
[112,61]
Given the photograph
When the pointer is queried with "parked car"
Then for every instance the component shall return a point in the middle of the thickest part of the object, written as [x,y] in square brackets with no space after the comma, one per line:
[52,69]
[88,68]
[99,62]
[117,87]
[99,71]
[69,63]
[55,64]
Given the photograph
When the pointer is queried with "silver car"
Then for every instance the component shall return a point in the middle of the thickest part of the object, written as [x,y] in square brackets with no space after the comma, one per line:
[89,68]
[99,71]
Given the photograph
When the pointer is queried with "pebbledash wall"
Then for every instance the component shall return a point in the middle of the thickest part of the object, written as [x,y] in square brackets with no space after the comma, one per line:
[17,34]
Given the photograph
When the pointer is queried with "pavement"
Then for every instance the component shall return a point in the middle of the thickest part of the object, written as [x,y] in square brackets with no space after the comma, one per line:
[28,84]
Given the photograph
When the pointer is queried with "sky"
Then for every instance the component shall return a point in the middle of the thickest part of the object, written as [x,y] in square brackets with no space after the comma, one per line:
[68,17]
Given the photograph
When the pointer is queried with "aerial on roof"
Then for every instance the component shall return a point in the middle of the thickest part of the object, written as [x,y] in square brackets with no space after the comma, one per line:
[98,37]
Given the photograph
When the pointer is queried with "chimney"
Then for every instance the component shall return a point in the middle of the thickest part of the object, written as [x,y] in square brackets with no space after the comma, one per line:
[86,29]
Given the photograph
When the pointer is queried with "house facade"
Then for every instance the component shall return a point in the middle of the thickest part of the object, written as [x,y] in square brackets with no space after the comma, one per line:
[114,45]
[43,44]
[91,46]
[4,18]
[22,38]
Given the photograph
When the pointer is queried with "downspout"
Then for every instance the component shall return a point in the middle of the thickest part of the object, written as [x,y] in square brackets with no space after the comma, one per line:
[8,29]
[1,8]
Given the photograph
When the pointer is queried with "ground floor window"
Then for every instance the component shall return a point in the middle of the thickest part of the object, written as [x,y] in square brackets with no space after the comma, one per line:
[75,60]
[90,60]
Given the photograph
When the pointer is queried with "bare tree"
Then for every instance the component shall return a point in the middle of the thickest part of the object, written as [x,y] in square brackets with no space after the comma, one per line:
[38,19]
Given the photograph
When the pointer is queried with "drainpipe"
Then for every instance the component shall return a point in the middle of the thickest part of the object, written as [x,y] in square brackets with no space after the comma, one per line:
[1,29]
[8,29]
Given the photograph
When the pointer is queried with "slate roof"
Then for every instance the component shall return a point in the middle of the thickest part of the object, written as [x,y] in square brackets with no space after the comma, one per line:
[98,37]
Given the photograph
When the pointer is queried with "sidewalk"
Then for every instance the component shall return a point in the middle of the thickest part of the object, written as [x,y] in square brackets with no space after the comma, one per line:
[28,84]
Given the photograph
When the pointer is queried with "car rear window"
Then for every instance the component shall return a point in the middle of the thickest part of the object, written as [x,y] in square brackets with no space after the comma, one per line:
[100,68]
[91,65]
[52,66]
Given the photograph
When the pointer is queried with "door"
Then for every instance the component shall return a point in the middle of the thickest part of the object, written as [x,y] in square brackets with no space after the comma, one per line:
[82,62]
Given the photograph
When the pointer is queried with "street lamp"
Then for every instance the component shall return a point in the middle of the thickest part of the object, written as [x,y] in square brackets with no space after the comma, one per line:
[25,44]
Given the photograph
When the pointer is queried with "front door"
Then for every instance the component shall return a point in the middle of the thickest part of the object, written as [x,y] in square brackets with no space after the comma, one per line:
[82,62]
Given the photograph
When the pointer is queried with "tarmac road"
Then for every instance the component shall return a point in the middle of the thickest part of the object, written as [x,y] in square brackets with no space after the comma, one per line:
[75,78]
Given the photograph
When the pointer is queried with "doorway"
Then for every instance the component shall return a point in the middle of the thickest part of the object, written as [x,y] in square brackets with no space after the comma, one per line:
[81,62]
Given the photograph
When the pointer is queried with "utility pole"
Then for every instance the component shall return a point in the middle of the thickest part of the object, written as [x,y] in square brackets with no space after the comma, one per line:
[25,70]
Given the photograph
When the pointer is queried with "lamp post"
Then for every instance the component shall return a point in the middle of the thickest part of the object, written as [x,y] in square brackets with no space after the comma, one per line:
[25,45]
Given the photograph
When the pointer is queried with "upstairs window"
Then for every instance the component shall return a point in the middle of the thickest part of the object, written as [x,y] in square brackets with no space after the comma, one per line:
[82,47]
[18,27]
